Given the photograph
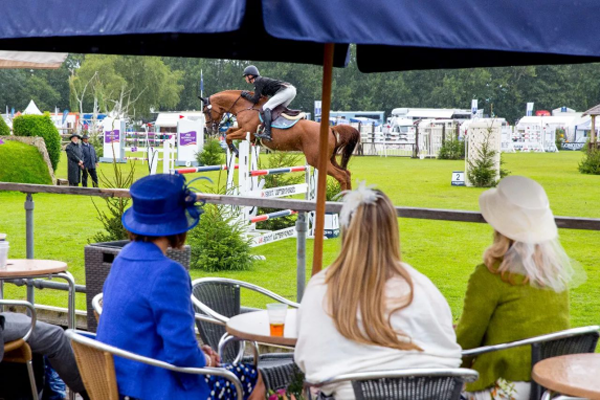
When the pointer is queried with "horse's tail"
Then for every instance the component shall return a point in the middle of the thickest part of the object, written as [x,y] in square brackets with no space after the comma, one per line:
[346,139]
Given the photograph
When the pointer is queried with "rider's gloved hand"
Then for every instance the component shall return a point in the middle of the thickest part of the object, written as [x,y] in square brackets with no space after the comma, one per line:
[245,93]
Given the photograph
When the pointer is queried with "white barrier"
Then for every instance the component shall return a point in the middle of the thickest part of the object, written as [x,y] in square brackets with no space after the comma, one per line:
[250,184]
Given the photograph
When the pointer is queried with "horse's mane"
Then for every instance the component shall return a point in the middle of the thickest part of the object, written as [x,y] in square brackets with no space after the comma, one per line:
[235,92]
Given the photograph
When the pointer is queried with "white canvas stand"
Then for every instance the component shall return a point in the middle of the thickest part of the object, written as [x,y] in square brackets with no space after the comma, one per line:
[190,140]
[477,134]
[113,138]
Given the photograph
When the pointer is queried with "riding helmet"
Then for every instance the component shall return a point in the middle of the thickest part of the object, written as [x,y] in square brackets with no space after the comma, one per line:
[251,70]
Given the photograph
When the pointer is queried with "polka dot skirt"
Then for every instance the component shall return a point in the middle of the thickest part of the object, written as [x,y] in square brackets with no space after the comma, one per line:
[221,388]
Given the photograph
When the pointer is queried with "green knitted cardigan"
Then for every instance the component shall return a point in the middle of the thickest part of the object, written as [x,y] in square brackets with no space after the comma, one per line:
[498,312]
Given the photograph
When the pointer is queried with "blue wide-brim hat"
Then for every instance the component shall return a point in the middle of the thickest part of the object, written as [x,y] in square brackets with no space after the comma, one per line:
[162,206]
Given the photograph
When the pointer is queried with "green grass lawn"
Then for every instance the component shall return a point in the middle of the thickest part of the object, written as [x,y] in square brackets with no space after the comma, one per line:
[446,252]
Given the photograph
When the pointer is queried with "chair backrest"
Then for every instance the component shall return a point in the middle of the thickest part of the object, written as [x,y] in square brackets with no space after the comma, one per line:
[582,342]
[97,370]
[409,388]
[224,298]
[96,364]
[412,384]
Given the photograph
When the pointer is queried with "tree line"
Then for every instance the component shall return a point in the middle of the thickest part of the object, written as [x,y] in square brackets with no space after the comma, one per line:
[136,86]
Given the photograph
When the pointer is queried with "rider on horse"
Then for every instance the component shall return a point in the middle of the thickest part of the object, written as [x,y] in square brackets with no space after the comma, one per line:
[280,93]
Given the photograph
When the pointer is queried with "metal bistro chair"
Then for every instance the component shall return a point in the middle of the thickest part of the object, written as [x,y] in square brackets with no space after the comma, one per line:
[96,365]
[406,384]
[218,299]
[18,351]
[97,306]
[570,341]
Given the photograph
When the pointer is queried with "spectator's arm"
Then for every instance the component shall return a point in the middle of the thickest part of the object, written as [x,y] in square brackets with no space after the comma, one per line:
[71,156]
[481,300]
[174,317]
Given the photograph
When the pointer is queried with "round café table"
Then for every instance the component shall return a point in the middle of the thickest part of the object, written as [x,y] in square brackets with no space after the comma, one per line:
[571,375]
[254,326]
[21,269]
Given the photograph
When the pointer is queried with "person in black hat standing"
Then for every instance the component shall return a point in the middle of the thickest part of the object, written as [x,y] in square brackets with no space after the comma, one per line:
[75,157]
[90,162]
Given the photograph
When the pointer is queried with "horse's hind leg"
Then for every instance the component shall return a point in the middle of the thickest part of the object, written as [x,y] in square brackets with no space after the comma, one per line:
[339,175]
[346,171]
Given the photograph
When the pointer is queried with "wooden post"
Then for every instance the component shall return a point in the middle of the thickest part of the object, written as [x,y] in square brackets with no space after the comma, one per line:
[323,158]
[593,133]
[416,145]
[444,134]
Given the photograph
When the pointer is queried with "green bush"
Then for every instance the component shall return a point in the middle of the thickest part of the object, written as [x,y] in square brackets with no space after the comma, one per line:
[482,172]
[13,169]
[211,154]
[4,129]
[452,149]
[590,163]
[333,189]
[218,242]
[279,160]
[42,126]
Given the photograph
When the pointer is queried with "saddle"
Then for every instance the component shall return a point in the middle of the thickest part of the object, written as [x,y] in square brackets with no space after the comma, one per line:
[283,117]
[281,111]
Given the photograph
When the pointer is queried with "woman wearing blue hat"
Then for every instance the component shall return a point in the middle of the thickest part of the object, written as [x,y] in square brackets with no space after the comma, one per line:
[147,306]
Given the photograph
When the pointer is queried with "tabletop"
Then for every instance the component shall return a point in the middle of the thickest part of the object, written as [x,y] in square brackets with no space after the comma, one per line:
[255,326]
[20,268]
[572,375]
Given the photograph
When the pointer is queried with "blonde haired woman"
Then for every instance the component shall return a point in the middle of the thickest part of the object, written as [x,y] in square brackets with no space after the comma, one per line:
[368,310]
[519,291]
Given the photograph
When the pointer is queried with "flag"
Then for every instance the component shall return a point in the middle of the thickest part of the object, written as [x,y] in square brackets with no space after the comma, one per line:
[12,112]
[65,115]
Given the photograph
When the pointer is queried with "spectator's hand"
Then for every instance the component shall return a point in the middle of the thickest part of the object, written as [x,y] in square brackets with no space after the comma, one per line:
[214,356]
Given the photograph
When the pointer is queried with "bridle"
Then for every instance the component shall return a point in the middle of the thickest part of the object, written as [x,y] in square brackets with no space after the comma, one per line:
[215,123]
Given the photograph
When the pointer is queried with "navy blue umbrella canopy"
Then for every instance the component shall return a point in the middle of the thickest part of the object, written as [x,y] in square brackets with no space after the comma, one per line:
[228,29]
[395,35]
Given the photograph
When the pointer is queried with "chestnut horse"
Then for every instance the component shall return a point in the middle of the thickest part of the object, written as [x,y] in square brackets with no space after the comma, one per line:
[304,136]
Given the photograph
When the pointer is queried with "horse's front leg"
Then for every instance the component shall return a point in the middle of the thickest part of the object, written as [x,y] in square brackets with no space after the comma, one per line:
[239,134]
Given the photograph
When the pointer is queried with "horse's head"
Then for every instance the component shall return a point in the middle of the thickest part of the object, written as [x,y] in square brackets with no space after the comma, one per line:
[215,106]
[212,116]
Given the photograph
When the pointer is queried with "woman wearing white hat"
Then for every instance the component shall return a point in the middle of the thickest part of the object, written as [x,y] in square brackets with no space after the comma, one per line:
[519,291]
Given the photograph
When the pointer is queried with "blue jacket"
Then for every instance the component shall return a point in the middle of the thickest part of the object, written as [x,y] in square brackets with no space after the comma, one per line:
[90,159]
[147,310]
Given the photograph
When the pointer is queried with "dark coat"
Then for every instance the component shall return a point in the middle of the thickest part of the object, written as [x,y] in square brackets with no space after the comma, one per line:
[90,159]
[74,155]
[265,87]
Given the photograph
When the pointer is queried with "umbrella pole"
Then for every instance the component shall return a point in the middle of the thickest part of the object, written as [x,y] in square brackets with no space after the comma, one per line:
[323,158]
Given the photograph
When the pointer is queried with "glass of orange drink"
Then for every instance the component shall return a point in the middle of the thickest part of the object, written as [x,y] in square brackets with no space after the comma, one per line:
[277,313]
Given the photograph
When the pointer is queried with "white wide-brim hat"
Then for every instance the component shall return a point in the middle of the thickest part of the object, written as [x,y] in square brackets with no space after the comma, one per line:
[519,209]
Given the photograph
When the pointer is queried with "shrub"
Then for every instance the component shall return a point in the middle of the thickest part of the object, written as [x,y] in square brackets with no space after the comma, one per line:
[4,129]
[218,242]
[333,190]
[13,169]
[279,160]
[452,149]
[40,125]
[211,154]
[111,220]
[482,171]
[590,163]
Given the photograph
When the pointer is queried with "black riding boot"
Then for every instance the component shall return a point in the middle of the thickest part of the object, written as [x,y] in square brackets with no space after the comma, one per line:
[266,133]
